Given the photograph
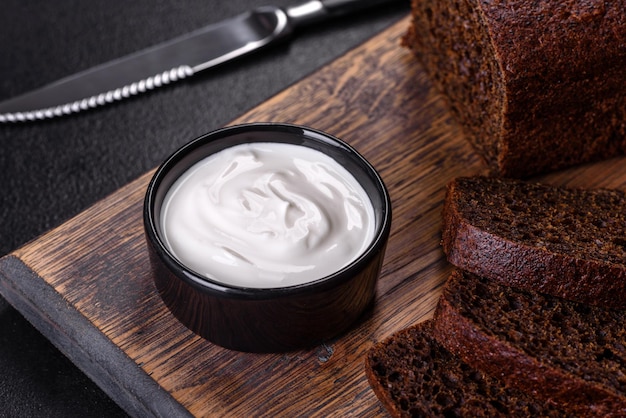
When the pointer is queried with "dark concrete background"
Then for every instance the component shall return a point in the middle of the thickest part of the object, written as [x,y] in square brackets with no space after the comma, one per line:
[52,170]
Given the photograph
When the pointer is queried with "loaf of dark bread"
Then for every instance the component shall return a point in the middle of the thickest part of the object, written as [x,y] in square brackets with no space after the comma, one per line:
[414,376]
[537,85]
[565,242]
[558,351]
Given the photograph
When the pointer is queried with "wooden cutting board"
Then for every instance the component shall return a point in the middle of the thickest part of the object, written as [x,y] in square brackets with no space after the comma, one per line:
[86,284]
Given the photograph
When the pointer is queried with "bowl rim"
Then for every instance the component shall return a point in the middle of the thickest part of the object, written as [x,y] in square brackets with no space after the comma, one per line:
[207,284]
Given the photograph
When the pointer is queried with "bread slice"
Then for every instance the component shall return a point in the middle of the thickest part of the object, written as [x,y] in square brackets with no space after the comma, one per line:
[564,242]
[537,85]
[555,350]
[414,376]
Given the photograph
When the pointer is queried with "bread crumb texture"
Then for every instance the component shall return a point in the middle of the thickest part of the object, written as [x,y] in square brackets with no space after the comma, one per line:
[566,242]
[537,85]
[560,351]
[415,376]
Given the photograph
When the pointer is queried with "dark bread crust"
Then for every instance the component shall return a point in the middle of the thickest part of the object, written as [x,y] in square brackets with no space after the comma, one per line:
[556,350]
[569,243]
[537,85]
[414,376]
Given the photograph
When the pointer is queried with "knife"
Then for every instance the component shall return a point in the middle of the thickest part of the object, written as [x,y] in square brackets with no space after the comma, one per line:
[173,60]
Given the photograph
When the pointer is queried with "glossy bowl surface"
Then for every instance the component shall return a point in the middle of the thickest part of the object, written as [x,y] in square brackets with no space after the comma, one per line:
[266,319]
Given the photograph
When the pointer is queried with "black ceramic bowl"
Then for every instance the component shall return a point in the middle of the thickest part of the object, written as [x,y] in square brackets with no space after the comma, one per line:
[266,319]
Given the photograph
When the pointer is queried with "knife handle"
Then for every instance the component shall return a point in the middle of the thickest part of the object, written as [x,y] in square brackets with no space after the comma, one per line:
[312,11]
[340,7]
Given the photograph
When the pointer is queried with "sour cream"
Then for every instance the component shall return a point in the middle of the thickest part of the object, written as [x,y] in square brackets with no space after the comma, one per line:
[267,215]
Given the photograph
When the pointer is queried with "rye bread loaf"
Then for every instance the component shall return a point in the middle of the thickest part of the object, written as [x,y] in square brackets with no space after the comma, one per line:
[559,351]
[561,241]
[537,85]
[414,376]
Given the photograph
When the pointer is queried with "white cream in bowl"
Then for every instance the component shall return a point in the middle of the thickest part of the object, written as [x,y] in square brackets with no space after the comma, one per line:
[267,215]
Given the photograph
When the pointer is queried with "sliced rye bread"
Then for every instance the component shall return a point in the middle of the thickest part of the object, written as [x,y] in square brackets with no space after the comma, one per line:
[414,376]
[536,85]
[565,242]
[556,350]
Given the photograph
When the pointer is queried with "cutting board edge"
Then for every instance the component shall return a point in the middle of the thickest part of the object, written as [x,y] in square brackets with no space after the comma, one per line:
[110,368]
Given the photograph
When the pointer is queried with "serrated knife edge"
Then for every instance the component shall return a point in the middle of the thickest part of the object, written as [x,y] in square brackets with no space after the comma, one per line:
[101,99]
[171,61]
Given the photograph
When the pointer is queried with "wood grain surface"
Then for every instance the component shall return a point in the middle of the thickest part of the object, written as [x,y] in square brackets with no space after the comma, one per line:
[86,284]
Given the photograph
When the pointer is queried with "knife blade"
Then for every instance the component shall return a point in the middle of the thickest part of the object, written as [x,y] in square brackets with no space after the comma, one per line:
[173,60]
